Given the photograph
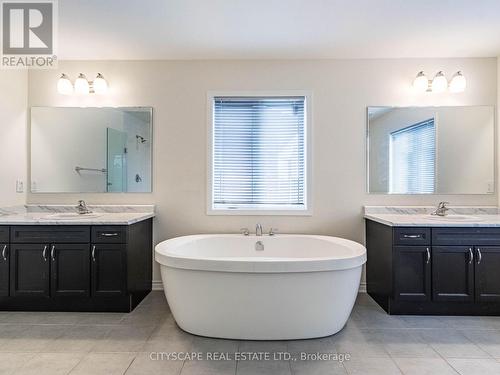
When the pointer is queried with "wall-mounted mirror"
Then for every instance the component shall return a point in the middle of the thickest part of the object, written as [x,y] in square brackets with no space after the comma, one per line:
[91,150]
[431,150]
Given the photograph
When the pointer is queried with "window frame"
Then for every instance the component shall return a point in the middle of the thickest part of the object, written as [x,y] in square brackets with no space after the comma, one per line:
[257,211]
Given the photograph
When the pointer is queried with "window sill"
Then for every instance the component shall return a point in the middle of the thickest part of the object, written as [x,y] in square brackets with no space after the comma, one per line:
[258,212]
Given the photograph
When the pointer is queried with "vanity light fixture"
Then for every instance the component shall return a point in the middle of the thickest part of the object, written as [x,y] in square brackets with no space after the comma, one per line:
[100,84]
[421,82]
[439,83]
[458,82]
[82,85]
[64,85]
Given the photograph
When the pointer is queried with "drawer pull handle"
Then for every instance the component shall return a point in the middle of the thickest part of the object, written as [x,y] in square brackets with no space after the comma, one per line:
[53,253]
[412,236]
[479,256]
[93,253]
[44,253]
[471,255]
[109,234]
[428,256]
[4,252]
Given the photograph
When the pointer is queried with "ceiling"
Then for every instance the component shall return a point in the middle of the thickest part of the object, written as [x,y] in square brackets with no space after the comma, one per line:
[298,29]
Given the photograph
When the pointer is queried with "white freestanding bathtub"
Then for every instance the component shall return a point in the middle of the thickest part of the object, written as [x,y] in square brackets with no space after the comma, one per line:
[227,286]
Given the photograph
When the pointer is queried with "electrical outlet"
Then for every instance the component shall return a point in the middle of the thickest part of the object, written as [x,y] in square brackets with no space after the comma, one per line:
[19,186]
[491,187]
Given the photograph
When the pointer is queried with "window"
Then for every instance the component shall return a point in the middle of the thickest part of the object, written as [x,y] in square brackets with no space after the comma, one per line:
[258,154]
[413,159]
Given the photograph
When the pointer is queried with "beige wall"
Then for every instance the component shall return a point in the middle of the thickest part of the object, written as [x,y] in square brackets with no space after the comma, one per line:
[13,105]
[341,89]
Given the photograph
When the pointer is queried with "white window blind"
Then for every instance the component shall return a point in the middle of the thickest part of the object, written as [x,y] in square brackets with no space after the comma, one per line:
[413,159]
[259,153]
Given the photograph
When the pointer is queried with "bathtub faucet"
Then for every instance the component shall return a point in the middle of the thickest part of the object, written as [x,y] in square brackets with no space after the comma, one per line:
[258,229]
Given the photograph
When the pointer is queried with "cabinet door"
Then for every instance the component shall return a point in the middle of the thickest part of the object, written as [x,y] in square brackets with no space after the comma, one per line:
[412,273]
[29,270]
[70,269]
[487,274]
[4,269]
[453,273]
[108,270]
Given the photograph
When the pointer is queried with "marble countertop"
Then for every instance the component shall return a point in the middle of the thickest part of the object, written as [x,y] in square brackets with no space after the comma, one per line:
[415,216]
[101,215]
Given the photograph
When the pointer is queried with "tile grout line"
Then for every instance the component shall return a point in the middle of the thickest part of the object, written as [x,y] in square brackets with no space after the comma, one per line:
[81,359]
[182,367]
[289,361]
[396,364]
[346,371]
[130,364]
[236,367]
[445,360]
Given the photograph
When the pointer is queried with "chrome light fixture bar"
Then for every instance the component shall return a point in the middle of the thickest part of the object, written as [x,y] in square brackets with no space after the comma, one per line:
[82,85]
[439,83]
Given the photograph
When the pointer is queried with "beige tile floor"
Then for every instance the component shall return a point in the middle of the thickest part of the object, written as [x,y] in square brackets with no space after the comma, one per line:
[97,343]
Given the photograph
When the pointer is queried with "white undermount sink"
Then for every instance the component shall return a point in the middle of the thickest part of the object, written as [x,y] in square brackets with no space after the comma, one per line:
[69,216]
[453,218]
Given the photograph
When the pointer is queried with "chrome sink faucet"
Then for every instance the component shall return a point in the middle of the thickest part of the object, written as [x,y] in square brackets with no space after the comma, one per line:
[258,229]
[82,208]
[441,209]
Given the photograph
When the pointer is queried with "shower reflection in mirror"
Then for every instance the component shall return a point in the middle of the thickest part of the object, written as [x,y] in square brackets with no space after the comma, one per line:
[91,149]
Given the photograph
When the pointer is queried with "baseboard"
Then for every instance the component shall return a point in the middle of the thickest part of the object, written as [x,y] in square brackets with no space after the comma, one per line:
[362,287]
[158,285]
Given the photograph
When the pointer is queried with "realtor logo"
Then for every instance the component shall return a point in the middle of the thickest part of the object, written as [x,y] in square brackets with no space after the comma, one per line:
[28,34]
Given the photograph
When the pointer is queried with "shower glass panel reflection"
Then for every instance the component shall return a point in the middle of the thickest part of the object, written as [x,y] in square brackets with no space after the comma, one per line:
[116,161]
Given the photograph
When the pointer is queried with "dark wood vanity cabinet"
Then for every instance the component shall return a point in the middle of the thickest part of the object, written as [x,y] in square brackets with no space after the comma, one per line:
[413,270]
[4,261]
[452,273]
[29,270]
[412,273]
[75,268]
[108,270]
[4,269]
[70,270]
[487,275]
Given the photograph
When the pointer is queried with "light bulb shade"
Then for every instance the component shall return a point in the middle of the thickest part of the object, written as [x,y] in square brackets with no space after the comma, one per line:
[458,82]
[439,83]
[64,85]
[421,83]
[100,84]
[82,85]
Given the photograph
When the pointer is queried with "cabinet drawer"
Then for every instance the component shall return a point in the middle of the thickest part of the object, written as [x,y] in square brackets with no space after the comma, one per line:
[412,236]
[50,234]
[109,234]
[466,236]
[4,234]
